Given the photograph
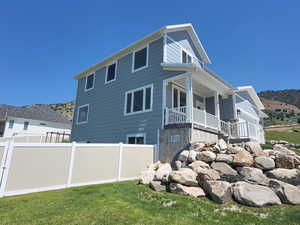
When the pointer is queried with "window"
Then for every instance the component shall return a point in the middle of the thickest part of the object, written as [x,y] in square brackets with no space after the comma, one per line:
[26,124]
[111,71]
[89,82]
[11,124]
[83,114]
[136,139]
[140,59]
[43,124]
[179,97]
[185,57]
[138,100]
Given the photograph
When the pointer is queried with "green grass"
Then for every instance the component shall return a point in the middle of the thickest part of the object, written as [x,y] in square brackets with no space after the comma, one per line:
[290,136]
[128,203]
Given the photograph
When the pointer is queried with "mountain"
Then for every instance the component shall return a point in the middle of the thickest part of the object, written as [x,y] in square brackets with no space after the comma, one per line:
[289,96]
[279,106]
[65,108]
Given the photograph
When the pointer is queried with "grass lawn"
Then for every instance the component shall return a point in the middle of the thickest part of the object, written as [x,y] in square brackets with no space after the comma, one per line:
[128,203]
[290,136]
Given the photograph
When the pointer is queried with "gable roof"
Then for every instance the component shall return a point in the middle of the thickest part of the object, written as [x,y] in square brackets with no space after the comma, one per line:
[253,95]
[34,112]
[151,37]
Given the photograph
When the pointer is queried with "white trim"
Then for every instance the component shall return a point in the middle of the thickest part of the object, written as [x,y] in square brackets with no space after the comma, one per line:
[144,100]
[87,117]
[71,167]
[7,162]
[179,89]
[106,74]
[248,114]
[136,135]
[187,53]
[133,58]
[92,74]
[165,52]
[253,95]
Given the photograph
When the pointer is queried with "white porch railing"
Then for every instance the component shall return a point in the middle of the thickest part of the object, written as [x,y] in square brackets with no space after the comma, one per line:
[245,129]
[176,115]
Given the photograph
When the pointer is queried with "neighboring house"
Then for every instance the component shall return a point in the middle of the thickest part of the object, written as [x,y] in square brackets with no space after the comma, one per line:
[159,91]
[31,120]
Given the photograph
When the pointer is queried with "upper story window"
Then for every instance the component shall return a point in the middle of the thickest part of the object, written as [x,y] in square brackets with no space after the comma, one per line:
[89,82]
[83,114]
[140,59]
[26,124]
[179,97]
[185,57]
[111,71]
[136,138]
[11,124]
[138,100]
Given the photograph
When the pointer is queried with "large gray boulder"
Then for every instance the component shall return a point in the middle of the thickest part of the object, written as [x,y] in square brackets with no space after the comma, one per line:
[206,156]
[197,164]
[222,144]
[255,149]
[218,191]
[287,193]
[243,158]
[206,175]
[253,175]
[226,172]
[185,176]
[254,195]
[264,163]
[291,176]
[227,158]
[282,149]
[192,156]
[157,186]
[232,149]
[146,176]
[163,172]
[189,191]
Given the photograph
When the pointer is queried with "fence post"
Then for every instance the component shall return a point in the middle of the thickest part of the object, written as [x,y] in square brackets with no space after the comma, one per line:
[71,164]
[120,161]
[6,165]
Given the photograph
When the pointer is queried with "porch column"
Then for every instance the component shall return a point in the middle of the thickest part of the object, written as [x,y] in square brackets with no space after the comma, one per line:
[217,106]
[189,96]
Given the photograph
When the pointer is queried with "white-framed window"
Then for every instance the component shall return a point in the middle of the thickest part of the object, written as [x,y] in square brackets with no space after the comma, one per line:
[11,124]
[83,114]
[136,138]
[178,97]
[140,59]
[186,57]
[111,73]
[26,124]
[138,100]
[89,82]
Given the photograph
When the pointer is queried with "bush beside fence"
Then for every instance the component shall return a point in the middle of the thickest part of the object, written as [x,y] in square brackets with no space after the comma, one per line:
[33,167]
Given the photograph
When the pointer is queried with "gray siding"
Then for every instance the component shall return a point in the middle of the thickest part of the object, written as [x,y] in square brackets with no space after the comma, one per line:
[226,108]
[107,123]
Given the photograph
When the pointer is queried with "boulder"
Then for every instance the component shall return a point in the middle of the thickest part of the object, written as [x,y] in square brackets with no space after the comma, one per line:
[253,175]
[255,149]
[207,174]
[163,172]
[177,164]
[198,163]
[183,156]
[189,191]
[206,156]
[264,163]
[285,161]
[157,186]
[192,156]
[218,191]
[291,176]
[198,146]
[287,193]
[224,158]
[155,165]
[225,171]
[242,158]
[185,176]
[222,144]
[282,149]
[234,149]
[146,176]
[254,195]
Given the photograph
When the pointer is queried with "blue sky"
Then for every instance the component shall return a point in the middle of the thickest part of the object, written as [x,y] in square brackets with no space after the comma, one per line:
[44,43]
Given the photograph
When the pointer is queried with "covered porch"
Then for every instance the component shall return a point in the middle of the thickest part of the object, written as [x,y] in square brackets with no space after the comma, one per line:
[188,98]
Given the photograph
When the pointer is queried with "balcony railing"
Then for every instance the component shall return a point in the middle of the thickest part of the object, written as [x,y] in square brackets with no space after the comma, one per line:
[233,130]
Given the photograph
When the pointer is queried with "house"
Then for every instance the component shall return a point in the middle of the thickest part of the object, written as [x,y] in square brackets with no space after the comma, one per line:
[31,120]
[160,91]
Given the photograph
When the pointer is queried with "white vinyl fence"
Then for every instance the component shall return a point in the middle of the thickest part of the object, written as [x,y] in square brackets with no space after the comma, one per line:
[34,167]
